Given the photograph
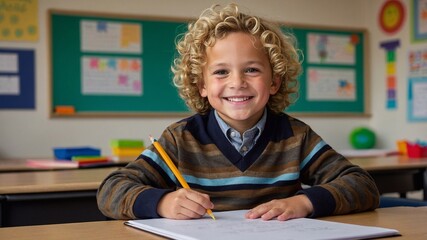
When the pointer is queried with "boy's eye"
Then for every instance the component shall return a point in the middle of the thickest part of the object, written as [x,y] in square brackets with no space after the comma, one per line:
[252,70]
[220,72]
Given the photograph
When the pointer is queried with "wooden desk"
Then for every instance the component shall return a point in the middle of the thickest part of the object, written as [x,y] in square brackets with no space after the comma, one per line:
[410,222]
[14,165]
[396,173]
[31,198]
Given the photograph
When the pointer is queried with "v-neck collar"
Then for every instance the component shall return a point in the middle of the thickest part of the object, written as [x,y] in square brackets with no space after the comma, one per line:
[275,129]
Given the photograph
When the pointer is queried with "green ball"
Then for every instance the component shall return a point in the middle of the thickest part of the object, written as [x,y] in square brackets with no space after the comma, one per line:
[362,138]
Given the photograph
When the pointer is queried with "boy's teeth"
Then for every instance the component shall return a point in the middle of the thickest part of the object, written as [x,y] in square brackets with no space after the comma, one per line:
[238,99]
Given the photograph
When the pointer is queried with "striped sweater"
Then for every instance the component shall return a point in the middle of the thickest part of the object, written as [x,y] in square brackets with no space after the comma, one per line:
[287,156]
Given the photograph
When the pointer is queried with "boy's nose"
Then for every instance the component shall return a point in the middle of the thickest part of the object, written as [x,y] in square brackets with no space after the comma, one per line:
[237,81]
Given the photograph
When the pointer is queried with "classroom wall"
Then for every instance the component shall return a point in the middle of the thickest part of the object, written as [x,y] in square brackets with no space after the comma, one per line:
[391,125]
[31,133]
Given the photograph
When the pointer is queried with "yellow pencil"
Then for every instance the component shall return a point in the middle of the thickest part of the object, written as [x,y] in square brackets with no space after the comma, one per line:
[173,168]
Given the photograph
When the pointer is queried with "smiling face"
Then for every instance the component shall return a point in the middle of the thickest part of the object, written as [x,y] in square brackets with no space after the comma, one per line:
[238,80]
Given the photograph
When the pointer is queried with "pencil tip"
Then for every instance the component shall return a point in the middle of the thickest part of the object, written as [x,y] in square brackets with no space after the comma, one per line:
[211,214]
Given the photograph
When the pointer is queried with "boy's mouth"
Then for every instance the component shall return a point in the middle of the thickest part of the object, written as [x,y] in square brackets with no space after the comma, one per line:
[237,99]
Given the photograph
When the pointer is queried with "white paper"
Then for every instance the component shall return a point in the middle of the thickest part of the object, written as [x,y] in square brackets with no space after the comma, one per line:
[9,85]
[9,62]
[331,84]
[111,76]
[419,99]
[351,153]
[233,226]
[107,36]
[327,48]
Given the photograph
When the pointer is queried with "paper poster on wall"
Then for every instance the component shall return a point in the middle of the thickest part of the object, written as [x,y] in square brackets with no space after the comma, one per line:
[19,20]
[417,99]
[111,76]
[417,85]
[9,78]
[331,84]
[391,16]
[419,20]
[104,36]
[9,62]
[417,60]
[9,85]
[330,49]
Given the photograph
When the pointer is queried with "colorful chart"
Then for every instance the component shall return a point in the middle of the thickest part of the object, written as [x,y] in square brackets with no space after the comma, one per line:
[390,48]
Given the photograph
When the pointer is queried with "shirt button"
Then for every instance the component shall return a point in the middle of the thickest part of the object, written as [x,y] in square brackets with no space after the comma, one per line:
[244,149]
[233,134]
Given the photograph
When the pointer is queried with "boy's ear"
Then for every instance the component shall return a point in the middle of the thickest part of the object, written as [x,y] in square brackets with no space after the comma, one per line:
[202,89]
[275,84]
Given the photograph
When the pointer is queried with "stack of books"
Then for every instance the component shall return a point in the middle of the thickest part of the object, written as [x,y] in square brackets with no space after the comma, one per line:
[67,153]
[91,161]
[126,150]
[72,157]
[76,162]
[82,156]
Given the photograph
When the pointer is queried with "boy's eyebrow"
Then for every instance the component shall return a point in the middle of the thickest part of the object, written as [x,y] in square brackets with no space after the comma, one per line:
[255,62]
[211,67]
[221,64]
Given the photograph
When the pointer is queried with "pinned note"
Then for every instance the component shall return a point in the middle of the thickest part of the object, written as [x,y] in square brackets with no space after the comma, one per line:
[66,110]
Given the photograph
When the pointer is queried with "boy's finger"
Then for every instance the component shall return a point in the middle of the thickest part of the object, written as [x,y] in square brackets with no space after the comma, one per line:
[202,199]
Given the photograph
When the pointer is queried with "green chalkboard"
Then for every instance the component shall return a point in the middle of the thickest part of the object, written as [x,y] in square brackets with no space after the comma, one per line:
[69,58]
[77,40]
[333,80]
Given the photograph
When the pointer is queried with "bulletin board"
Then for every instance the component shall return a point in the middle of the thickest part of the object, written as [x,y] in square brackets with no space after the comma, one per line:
[85,44]
[17,84]
[113,65]
[333,81]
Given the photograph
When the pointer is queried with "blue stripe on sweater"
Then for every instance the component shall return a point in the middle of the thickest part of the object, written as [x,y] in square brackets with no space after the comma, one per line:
[160,163]
[240,180]
[243,180]
[313,152]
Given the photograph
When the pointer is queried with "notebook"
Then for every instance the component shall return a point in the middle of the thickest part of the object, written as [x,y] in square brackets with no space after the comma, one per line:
[232,225]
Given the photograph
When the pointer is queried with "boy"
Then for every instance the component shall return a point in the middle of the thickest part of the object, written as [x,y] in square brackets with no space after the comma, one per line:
[240,151]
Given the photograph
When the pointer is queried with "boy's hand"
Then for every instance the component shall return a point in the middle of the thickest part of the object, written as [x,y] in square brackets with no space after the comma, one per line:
[293,207]
[184,204]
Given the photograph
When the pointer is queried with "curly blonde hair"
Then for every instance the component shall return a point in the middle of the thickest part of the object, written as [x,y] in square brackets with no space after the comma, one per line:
[215,23]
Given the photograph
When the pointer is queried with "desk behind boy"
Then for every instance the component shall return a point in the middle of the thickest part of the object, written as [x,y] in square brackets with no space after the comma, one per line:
[396,173]
[29,198]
